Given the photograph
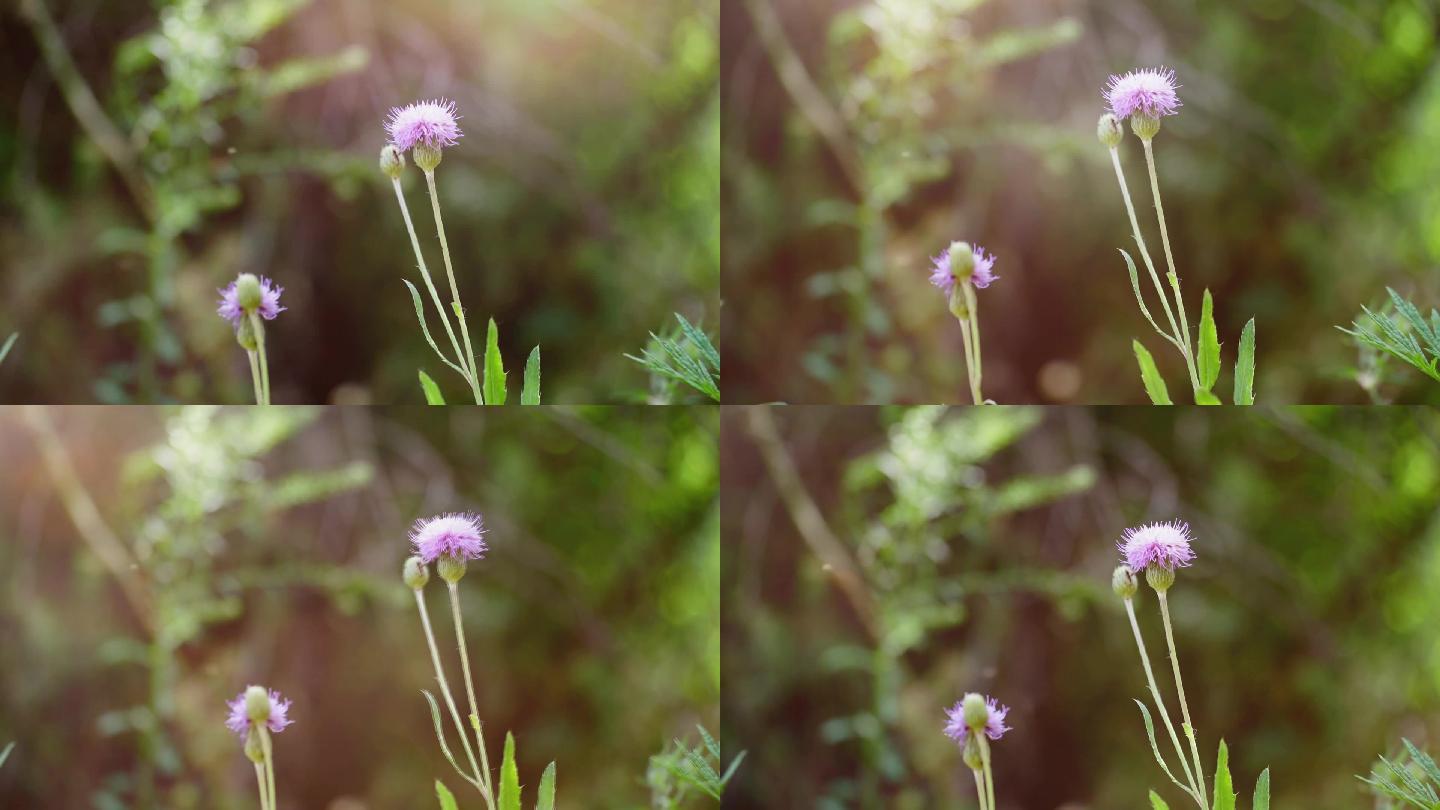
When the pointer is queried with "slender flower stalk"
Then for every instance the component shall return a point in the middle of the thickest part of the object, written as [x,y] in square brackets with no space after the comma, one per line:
[973,723]
[1180,689]
[247,302]
[260,780]
[958,272]
[1165,243]
[989,774]
[476,779]
[254,715]
[469,686]
[450,270]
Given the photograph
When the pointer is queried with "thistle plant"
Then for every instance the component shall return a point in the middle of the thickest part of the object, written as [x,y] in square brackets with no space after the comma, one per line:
[255,714]
[424,129]
[1144,97]
[247,302]
[450,542]
[1158,550]
[959,272]
[974,722]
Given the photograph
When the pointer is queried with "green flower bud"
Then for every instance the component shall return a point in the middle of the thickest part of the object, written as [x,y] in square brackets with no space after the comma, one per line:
[977,714]
[958,306]
[962,260]
[1124,582]
[1144,126]
[426,157]
[247,291]
[254,749]
[971,752]
[392,161]
[416,573]
[257,705]
[1160,577]
[1109,130]
[245,335]
[451,568]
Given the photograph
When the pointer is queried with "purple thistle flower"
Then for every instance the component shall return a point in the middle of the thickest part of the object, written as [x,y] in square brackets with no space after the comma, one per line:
[1150,92]
[231,310]
[995,727]
[458,534]
[1166,545]
[239,720]
[981,276]
[432,123]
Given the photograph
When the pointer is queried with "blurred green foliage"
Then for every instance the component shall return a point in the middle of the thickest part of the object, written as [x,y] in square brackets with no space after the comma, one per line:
[983,541]
[240,135]
[681,771]
[157,561]
[1299,183]
[1411,780]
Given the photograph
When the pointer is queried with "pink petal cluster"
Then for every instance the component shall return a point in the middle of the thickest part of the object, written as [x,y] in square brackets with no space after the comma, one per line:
[457,534]
[1163,544]
[432,123]
[995,727]
[1150,92]
[239,720]
[981,276]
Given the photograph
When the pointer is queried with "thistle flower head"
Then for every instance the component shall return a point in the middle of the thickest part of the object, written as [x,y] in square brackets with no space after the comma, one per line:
[993,725]
[427,123]
[276,716]
[459,535]
[1158,545]
[415,573]
[246,294]
[1149,92]
[961,262]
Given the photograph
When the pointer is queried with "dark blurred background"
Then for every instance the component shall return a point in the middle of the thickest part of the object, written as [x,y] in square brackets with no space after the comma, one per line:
[154,562]
[228,136]
[880,562]
[1299,180]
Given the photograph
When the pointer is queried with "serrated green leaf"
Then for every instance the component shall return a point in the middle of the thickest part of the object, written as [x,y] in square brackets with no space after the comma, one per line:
[509,797]
[530,388]
[1432,772]
[1154,383]
[494,380]
[1157,803]
[425,329]
[1209,358]
[1155,749]
[1245,366]
[1206,398]
[432,391]
[447,799]
[1224,788]
[1262,791]
[546,801]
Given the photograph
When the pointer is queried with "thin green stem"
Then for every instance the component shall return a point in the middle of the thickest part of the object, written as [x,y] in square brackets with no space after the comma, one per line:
[979,373]
[445,689]
[259,327]
[430,285]
[1169,258]
[260,780]
[470,689]
[968,339]
[1180,689]
[255,377]
[989,774]
[1160,703]
[980,789]
[268,747]
[1183,345]
[454,288]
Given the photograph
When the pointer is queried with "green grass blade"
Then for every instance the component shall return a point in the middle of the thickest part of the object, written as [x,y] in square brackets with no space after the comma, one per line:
[1245,366]
[1224,788]
[547,789]
[1206,398]
[1154,383]
[1209,344]
[447,799]
[432,391]
[494,381]
[1262,791]
[530,389]
[509,776]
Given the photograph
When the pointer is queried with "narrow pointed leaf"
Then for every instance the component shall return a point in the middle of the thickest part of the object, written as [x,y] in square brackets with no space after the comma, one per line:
[547,789]
[1157,803]
[494,381]
[447,799]
[4,352]
[1206,398]
[509,776]
[1245,367]
[1140,299]
[1150,733]
[1209,359]
[440,736]
[432,391]
[1224,788]
[1262,791]
[1154,383]
[530,390]
[424,328]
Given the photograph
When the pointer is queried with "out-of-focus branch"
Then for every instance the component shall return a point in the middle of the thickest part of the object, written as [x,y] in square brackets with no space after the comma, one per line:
[808,96]
[97,125]
[808,520]
[93,529]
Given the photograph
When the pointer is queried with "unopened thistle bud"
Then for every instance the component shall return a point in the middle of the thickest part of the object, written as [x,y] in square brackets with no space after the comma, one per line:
[416,574]
[958,305]
[1124,582]
[427,157]
[245,335]
[1160,577]
[971,752]
[962,260]
[254,749]
[392,161]
[1109,130]
[257,704]
[451,568]
[1144,126]
[247,291]
[977,714]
